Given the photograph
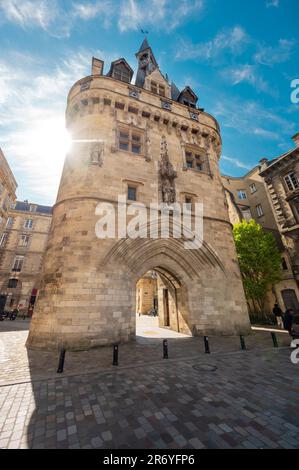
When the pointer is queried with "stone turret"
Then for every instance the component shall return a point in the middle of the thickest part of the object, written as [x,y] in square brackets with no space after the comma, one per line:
[87,293]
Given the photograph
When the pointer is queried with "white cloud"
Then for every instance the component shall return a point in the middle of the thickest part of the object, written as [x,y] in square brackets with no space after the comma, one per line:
[268,55]
[32,129]
[265,133]
[272,3]
[158,14]
[45,14]
[236,162]
[232,40]
[246,116]
[248,74]
[58,19]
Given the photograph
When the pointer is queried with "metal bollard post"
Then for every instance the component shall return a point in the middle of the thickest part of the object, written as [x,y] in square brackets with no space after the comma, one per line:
[115,355]
[274,339]
[61,361]
[165,349]
[242,341]
[207,347]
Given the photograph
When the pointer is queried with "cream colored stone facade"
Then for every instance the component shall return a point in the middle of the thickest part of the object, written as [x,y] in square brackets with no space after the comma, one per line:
[8,188]
[146,293]
[281,176]
[250,197]
[88,289]
[23,252]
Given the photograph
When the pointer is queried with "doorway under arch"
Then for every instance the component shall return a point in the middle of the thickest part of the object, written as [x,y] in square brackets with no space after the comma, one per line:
[159,294]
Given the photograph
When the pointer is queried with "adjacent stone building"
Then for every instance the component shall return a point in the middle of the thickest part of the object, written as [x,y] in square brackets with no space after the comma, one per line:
[253,196]
[8,186]
[149,142]
[23,247]
[147,293]
[281,176]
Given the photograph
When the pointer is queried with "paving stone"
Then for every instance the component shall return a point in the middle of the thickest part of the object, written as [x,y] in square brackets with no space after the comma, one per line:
[249,401]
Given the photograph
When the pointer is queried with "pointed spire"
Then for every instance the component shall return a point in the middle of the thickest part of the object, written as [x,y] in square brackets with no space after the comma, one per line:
[145,45]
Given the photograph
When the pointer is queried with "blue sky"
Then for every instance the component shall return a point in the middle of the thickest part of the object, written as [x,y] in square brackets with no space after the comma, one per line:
[239,56]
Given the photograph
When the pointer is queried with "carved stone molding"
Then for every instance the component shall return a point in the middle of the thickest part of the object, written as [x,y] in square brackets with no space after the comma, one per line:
[167,175]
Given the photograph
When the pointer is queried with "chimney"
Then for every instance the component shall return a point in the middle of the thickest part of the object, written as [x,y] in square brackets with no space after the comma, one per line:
[263,163]
[97,66]
[296,139]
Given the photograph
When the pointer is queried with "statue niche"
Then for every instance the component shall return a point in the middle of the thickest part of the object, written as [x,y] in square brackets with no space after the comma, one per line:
[96,154]
[167,175]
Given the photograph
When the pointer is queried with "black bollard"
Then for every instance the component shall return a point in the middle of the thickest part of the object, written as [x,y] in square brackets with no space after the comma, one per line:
[274,339]
[165,349]
[242,341]
[61,361]
[115,355]
[207,347]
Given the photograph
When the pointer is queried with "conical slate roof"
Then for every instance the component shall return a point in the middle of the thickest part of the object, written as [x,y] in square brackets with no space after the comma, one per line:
[145,45]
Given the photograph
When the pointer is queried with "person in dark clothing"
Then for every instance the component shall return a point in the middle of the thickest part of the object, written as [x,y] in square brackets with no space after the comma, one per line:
[278,315]
[288,319]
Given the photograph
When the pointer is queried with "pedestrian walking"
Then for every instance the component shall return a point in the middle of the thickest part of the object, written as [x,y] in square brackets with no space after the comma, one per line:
[288,320]
[277,312]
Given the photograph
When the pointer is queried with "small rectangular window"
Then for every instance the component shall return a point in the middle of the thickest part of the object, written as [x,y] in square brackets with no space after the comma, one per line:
[136,148]
[28,223]
[3,239]
[253,188]
[132,193]
[24,240]
[119,106]
[133,110]
[124,135]
[242,194]
[291,181]
[18,263]
[12,283]
[124,146]
[284,264]
[161,90]
[136,138]
[9,222]
[130,140]
[154,88]
[259,210]
[194,160]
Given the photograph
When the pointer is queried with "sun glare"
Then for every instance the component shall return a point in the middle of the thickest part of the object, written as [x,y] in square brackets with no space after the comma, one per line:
[49,141]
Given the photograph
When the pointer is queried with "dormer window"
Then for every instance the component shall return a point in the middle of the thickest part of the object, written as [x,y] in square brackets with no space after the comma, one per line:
[189,103]
[120,70]
[188,98]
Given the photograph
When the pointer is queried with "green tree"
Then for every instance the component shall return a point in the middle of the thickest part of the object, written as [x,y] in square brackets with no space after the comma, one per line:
[259,259]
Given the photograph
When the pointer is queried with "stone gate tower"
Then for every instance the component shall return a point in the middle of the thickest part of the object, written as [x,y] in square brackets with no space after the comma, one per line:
[151,143]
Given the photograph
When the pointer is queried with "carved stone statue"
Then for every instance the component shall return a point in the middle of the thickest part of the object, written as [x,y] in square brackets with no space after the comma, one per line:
[167,175]
[96,154]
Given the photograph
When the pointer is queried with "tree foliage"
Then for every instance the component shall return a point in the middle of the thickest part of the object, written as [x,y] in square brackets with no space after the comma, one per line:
[259,259]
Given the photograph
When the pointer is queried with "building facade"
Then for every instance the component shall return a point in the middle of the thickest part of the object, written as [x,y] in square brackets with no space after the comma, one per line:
[8,186]
[281,176]
[148,142]
[23,249]
[253,197]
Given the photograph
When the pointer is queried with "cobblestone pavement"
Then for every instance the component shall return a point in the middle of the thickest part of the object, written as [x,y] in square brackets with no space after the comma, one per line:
[234,399]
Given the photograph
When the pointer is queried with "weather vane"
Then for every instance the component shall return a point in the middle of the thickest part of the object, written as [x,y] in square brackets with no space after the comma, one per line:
[144,31]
